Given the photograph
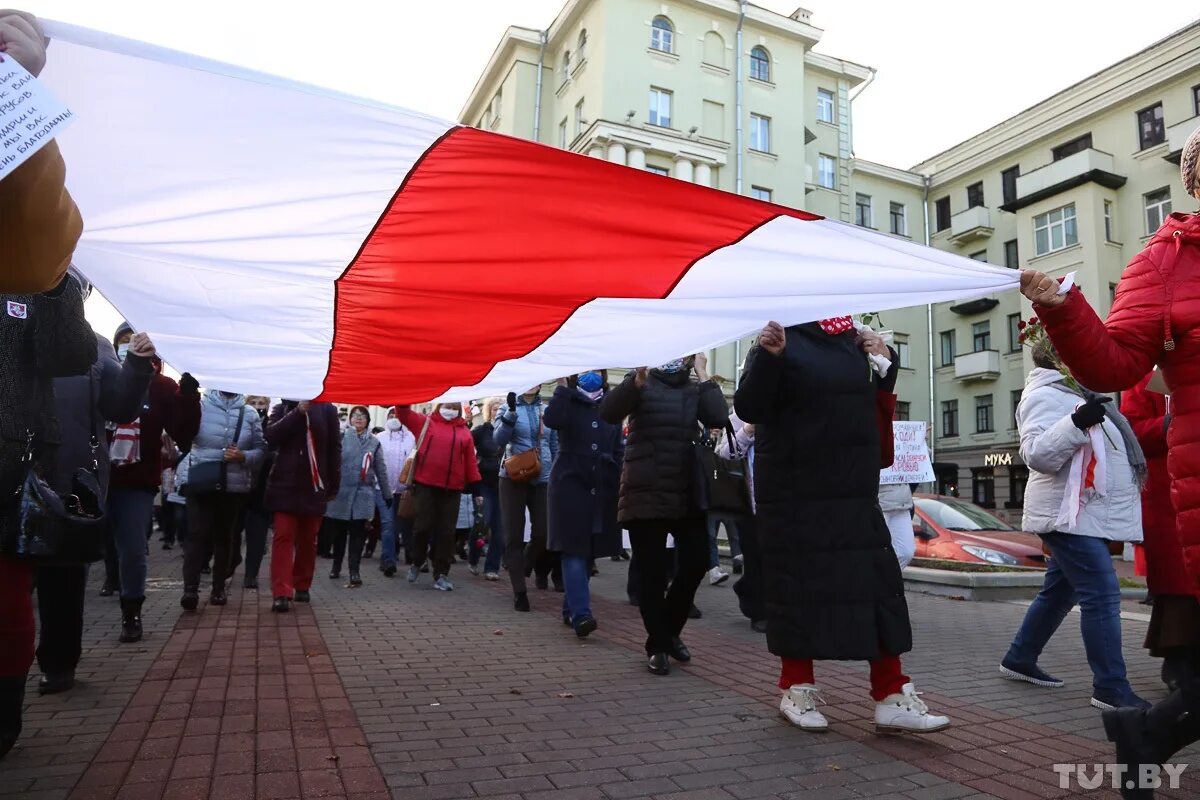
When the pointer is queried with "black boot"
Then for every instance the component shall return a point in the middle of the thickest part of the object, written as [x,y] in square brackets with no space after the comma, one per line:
[1152,736]
[131,619]
[12,700]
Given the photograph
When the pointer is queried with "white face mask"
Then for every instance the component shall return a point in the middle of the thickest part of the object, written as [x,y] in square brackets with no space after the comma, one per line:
[122,351]
[449,413]
[392,424]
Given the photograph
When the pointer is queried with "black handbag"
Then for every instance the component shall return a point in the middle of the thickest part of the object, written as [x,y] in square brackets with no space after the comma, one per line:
[210,477]
[725,480]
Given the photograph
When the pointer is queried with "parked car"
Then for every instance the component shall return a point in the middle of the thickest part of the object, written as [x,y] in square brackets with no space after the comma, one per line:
[951,529]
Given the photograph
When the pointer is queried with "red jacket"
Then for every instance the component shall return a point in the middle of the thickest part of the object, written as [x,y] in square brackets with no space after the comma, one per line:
[164,408]
[1165,572]
[1154,319]
[446,458]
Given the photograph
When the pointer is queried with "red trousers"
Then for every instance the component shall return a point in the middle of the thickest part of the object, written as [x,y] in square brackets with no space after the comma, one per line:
[293,553]
[887,675]
[16,617]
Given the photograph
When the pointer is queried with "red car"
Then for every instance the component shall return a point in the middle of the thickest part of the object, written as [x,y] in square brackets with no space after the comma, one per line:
[951,529]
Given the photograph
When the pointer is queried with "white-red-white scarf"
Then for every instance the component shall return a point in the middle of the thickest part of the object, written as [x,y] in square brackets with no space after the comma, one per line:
[313,468]
[126,445]
[1087,477]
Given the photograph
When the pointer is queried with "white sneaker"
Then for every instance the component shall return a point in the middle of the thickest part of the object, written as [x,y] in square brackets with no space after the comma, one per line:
[491,576]
[717,576]
[799,707]
[473,569]
[907,713]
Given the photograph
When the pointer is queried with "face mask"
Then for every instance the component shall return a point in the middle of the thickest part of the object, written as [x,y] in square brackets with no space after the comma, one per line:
[392,424]
[673,367]
[122,351]
[590,382]
[449,413]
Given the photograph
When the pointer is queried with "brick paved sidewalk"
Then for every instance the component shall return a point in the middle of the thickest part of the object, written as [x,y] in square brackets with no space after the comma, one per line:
[436,695]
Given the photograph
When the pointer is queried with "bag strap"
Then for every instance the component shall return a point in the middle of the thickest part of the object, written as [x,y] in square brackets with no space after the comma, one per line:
[420,441]
[237,432]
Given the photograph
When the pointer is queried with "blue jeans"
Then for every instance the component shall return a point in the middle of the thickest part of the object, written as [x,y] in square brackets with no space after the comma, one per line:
[731,531]
[491,517]
[1080,571]
[577,599]
[130,512]
[387,529]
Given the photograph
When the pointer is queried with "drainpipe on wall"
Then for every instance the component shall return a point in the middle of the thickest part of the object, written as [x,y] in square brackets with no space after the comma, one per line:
[739,128]
[537,100]
[929,323]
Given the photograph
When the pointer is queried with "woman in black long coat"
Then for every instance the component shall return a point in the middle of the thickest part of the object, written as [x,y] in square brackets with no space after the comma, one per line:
[583,490]
[821,399]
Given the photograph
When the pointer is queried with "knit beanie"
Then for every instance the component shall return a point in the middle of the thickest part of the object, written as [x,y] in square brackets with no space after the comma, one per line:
[1190,162]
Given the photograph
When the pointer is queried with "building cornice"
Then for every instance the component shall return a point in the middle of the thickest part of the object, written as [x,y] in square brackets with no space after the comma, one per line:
[894,174]
[512,38]
[854,73]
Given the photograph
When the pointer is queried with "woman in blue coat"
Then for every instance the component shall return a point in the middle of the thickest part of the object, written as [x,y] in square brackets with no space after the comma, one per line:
[583,491]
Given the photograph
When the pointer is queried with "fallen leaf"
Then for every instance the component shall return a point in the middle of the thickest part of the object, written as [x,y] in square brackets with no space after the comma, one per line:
[835,768]
[498,632]
[331,758]
[565,694]
[435,704]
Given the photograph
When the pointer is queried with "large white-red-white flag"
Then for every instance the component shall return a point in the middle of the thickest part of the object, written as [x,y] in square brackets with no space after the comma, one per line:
[292,241]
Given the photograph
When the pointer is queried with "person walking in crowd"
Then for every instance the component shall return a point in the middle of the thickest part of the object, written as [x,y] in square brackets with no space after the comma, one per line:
[1152,321]
[896,503]
[305,476]
[660,492]
[397,443]
[257,516]
[135,450]
[42,337]
[749,587]
[582,494]
[715,518]
[489,457]
[530,451]
[444,467]
[1059,425]
[224,460]
[364,472]
[1174,631]
[169,457]
[109,392]
[820,398]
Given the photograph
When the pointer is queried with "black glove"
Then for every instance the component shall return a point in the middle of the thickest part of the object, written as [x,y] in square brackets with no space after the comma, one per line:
[1090,413]
[512,401]
[188,385]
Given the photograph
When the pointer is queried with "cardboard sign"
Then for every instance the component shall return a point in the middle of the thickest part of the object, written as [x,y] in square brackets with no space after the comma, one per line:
[29,115]
[912,463]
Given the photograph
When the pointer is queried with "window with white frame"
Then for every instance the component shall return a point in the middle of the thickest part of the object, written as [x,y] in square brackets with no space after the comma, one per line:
[825,109]
[1158,208]
[760,65]
[660,107]
[662,35]
[901,345]
[581,46]
[562,134]
[760,193]
[1110,234]
[1055,230]
[899,218]
[827,171]
[566,66]
[666,173]
[760,133]
[579,117]
[862,210]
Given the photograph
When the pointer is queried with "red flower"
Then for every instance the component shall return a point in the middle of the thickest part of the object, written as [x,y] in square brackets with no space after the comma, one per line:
[1021,325]
[1033,321]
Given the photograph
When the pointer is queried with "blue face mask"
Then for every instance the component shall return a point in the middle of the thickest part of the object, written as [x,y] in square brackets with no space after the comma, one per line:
[590,381]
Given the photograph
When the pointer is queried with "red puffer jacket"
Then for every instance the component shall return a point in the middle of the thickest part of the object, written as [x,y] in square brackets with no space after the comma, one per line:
[1146,412]
[1154,319]
[446,458]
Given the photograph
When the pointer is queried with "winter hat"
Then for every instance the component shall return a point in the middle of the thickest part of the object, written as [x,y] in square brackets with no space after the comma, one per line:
[123,329]
[1189,163]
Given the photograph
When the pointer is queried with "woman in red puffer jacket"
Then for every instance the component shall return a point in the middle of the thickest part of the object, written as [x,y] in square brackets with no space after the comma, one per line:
[1155,319]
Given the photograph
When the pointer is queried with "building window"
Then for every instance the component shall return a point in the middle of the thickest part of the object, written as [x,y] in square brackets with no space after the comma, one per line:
[826,111]
[1055,230]
[983,487]
[1151,130]
[760,65]
[666,173]
[760,193]
[1196,101]
[1014,333]
[579,117]
[1109,231]
[899,219]
[949,418]
[862,210]
[1018,478]
[581,47]
[565,69]
[981,336]
[1012,258]
[902,352]
[662,35]
[1158,208]
[903,411]
[660,107]
[495,107]
[979,256]
[1016,403]
[760,133]
[562,134]
[984,421]
[947,339]
[1008,184]
[941,210]
[827,171]
[1072,147]
[975,195]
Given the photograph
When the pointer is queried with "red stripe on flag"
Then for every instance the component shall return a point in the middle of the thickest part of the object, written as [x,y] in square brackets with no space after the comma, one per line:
[493,242]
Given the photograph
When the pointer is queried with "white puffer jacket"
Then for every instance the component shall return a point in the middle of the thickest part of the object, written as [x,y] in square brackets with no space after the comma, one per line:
[397,445]
[1049,439]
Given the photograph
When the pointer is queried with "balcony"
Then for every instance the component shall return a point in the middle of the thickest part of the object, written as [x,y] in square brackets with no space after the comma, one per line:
[1086,166]
[970,225]
[1177,136]
[981,366]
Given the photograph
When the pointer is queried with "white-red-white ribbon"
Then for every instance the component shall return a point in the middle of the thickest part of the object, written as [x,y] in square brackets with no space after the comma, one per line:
[317,483]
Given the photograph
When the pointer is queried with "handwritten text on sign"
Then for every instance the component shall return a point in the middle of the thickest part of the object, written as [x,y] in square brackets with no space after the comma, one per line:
[29,115]
[912,464]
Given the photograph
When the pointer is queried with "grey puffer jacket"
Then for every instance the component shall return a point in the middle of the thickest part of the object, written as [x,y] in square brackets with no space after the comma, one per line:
[360,480]
[218,422]
[895,497]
